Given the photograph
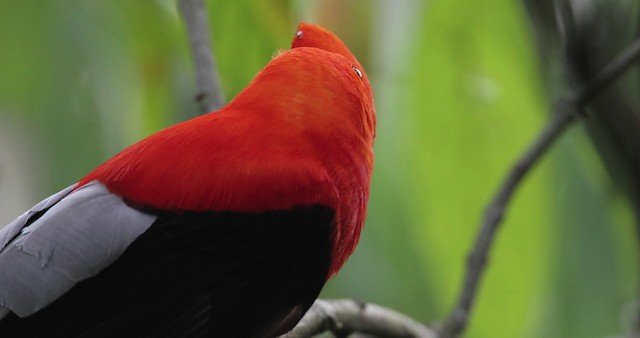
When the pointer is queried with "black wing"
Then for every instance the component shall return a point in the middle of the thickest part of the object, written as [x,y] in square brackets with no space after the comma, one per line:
[218,274]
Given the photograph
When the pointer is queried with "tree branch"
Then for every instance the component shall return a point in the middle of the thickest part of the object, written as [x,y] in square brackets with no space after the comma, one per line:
[347,316]
[208,93]
[566,111]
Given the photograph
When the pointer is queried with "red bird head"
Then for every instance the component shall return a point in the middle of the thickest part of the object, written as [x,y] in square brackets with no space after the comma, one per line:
[309,35]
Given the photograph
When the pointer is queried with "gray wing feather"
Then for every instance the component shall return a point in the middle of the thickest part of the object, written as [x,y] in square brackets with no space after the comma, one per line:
[82,233]
[12,229]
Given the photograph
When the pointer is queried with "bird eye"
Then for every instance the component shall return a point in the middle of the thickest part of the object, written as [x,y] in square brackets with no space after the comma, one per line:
[299,34]
[357,71]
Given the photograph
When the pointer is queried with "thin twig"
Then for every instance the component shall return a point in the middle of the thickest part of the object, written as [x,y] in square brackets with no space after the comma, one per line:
[566,111]
[346,316]
[209,92]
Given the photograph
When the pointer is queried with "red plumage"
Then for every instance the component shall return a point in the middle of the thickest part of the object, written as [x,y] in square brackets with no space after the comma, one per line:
[301,133]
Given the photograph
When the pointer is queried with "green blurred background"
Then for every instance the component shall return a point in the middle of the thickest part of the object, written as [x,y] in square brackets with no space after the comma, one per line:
[461,88]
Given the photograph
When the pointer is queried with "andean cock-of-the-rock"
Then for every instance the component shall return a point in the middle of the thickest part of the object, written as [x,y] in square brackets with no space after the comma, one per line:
[225,225]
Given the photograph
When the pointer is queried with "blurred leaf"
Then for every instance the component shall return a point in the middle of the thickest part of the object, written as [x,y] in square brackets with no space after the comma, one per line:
[474,106]
[246,34]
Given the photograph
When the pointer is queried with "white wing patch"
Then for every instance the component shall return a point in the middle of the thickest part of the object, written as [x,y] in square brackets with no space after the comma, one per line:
[82,233]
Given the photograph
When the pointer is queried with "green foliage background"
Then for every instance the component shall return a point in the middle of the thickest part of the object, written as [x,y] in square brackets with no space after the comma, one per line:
[459,95]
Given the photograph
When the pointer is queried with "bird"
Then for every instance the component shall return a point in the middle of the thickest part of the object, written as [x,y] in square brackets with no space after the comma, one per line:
[225,225]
